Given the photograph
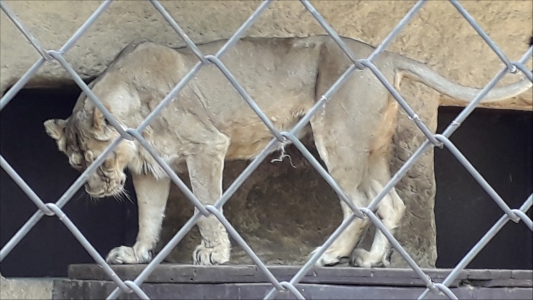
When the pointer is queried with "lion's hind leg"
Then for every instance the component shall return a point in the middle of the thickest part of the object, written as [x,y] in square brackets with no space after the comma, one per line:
[345,243]
[345,131]
[346,159]
[390,211]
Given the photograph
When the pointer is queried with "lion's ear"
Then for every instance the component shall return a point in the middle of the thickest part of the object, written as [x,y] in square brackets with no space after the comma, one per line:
[100,128]
[99,121]
[55,128]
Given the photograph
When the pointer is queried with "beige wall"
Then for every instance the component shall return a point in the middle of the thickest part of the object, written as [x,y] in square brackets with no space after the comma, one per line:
[437,35]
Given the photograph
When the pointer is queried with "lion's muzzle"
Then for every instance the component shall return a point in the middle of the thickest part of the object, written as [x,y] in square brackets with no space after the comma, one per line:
[99,187]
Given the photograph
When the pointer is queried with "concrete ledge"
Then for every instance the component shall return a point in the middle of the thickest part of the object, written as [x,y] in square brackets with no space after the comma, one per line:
[26,288]
[79,289]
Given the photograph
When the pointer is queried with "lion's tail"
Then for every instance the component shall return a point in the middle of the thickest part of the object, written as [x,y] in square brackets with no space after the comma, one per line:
[421,73]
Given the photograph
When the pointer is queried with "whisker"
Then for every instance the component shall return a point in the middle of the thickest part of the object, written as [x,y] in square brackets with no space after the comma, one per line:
[125,192]
[79,195]
[118,198]
[122,197]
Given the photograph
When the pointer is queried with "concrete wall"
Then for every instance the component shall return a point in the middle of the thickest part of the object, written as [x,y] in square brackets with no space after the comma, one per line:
[437,35]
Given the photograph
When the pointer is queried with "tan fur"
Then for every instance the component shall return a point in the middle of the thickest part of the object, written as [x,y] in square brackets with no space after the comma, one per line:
[209,122]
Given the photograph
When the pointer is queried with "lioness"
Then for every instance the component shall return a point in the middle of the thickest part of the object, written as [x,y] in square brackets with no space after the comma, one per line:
[209,123]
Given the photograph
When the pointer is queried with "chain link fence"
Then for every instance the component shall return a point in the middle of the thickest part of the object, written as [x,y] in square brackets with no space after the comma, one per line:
[432,140]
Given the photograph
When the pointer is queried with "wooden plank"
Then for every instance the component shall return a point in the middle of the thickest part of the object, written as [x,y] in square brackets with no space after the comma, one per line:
[75,289]
[172,273]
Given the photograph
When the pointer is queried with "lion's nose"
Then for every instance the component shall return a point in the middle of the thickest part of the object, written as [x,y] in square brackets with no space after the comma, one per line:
[122,181]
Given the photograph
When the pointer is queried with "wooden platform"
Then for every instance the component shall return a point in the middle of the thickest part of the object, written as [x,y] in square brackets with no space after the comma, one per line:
[171,281]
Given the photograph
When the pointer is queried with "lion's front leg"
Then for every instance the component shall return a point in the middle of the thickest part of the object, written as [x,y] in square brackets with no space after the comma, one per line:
[205,171]
[152,198]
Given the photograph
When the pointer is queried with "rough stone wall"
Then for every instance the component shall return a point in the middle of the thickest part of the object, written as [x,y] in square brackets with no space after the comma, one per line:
[281,211]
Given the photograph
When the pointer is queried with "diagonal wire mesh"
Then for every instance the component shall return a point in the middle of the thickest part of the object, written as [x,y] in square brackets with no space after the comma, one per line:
[279,138]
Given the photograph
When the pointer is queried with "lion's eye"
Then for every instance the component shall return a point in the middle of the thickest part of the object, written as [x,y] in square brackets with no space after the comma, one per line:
[77,167]
[108,164]
[75,159]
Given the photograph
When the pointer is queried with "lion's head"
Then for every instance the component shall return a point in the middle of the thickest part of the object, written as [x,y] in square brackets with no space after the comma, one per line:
[83,137]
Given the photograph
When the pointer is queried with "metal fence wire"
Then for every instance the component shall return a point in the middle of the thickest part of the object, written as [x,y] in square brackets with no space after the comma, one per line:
[439,140]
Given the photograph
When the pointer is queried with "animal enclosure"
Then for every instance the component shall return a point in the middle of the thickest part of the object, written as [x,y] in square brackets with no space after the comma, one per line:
[515,207]
[502,154]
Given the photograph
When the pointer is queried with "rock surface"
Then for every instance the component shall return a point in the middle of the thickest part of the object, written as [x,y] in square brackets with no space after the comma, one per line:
[284,212]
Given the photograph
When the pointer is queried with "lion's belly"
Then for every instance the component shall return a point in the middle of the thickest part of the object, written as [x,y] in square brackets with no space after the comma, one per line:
[246,151]
[248,137]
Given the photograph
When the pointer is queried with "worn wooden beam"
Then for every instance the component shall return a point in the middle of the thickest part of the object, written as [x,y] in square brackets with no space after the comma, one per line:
[173,273]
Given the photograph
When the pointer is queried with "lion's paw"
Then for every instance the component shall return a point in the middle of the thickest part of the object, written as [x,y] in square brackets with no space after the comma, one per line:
[330,258]
[366,259]
[217,255]
[128,255]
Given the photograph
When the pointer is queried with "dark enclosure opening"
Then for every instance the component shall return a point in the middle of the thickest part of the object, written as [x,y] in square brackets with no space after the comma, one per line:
[49,247]
[498,143]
